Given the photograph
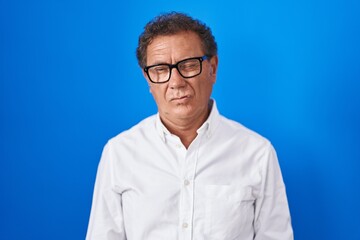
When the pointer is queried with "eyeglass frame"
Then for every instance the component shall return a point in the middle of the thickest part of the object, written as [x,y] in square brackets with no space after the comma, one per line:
[171,66]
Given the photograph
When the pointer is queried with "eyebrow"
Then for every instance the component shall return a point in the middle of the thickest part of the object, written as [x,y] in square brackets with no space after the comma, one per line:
[161,62]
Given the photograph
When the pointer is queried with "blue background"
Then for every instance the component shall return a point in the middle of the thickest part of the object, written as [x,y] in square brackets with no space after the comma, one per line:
[69,81]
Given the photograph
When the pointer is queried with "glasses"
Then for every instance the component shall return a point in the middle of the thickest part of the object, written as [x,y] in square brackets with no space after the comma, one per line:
[188,68]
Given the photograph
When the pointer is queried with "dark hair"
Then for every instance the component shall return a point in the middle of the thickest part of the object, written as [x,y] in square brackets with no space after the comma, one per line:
[170,24]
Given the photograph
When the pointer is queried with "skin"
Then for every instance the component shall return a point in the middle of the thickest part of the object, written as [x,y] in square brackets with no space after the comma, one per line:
[183,104]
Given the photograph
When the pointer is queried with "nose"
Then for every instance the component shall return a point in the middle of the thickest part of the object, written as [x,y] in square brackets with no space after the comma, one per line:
[176,80]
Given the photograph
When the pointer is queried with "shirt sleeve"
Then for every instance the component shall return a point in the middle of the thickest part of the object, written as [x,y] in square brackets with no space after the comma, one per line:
[272,216]
[106,218]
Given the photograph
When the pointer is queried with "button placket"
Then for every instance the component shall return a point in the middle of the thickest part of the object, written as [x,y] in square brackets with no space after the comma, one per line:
[187,196]
[187,191]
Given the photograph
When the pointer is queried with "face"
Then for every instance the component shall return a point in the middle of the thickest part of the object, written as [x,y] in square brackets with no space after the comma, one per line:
[180,98]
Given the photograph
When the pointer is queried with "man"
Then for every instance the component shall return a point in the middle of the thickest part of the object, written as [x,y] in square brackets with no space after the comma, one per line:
[187,172]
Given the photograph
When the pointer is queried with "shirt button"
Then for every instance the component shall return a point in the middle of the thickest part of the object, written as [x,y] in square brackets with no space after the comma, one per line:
[185,225]
[186,182]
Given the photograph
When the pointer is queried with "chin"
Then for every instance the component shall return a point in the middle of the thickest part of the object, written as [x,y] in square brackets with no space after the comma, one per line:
[184,112]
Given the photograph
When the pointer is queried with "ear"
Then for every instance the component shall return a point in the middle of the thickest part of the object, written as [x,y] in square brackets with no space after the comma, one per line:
[214,66]
[144,74]
[147,79]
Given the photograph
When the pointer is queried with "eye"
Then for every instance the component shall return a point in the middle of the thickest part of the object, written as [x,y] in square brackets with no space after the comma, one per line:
[189,65]
[160,68]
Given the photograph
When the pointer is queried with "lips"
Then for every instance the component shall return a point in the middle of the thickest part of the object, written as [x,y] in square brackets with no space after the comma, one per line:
[180,98]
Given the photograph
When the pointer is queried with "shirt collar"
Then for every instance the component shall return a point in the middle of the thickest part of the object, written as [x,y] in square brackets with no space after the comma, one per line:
[160,128]
[208,127]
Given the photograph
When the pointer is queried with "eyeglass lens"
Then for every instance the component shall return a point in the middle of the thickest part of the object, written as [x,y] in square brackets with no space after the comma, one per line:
[187,68]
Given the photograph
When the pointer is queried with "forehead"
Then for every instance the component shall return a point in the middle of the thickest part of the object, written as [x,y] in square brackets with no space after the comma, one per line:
[174,47]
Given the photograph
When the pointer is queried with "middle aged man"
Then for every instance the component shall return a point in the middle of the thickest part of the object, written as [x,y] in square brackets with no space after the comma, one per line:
[187,172]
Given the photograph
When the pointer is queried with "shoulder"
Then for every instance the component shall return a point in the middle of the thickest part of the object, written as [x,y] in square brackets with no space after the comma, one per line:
[247,143]
[241,133]
[134,134]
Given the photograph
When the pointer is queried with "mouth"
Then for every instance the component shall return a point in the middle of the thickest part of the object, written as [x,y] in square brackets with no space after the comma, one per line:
[180,99]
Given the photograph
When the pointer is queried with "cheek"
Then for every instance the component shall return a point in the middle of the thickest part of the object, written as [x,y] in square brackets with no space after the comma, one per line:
[205,86]
[158,93]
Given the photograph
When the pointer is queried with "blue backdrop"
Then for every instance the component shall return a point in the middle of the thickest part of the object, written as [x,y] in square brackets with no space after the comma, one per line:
[69,81]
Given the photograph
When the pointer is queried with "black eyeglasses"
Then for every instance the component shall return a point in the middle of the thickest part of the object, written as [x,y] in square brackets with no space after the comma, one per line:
[188,68]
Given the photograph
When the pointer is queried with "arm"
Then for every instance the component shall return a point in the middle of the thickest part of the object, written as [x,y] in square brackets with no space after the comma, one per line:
[272,217]
[106,218]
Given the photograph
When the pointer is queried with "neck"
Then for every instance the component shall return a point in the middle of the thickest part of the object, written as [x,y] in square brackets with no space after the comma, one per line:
[186,128]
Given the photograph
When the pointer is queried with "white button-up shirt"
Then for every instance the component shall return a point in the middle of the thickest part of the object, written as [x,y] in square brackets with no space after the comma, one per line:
[226,186]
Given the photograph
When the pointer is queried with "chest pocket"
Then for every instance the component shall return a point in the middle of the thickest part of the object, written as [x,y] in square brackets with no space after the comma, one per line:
[229,212]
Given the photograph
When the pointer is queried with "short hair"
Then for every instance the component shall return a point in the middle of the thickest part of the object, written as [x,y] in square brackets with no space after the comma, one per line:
[170,24]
